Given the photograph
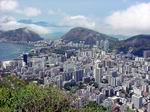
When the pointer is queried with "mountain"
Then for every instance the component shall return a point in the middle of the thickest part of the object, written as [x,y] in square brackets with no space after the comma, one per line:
[1,32]
[136,44]
[42,23]
[19,35]
[89,36]
[29,21]
[138,40]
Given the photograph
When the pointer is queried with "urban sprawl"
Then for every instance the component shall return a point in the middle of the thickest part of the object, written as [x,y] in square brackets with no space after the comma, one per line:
[91,73]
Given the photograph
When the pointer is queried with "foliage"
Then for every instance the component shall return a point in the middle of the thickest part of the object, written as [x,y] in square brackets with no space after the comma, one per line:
[19,96]
[93,107]
[15,95]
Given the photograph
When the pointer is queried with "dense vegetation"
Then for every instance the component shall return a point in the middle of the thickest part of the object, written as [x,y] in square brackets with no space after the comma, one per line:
[93,107]
[17,95]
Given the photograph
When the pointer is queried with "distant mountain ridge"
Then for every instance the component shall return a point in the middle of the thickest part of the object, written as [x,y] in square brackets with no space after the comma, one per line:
[19,35]
[138,40]
[29,21]
[136,44]
[89,36]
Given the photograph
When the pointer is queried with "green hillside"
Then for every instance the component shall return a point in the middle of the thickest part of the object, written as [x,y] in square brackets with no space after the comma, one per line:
[20,96]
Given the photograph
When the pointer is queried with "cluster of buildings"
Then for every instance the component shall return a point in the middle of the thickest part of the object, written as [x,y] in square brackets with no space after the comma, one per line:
[115,81]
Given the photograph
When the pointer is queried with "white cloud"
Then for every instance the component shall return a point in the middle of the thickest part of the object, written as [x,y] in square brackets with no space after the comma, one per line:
[78,21]
[14,6]
[10,23]
[29,11]
[6,19]
[134,20]
[8,5]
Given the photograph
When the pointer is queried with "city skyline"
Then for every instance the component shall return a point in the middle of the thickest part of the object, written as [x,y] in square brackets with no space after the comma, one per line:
[74,56]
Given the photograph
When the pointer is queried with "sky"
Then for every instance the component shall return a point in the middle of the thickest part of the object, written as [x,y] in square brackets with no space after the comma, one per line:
[117,17]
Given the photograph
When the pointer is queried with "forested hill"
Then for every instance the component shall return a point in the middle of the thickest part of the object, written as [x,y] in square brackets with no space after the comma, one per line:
[20,96]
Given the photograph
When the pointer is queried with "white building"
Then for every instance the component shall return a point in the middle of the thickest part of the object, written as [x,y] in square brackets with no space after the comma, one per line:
[98,72]
[137,101]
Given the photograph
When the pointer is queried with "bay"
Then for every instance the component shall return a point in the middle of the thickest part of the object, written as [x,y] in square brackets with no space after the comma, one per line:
[10,51]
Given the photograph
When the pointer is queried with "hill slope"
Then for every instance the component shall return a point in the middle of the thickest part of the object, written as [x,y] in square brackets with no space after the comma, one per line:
[83,34]
[29,97]
[137,44]
[20,35]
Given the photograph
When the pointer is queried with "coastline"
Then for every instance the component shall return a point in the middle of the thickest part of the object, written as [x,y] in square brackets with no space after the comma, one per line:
[13,50]
[17,42]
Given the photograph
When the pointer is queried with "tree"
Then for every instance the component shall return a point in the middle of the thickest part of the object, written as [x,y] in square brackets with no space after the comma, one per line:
[19,96]
[93,107]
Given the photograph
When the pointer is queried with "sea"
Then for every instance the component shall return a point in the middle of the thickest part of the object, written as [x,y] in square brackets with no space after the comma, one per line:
[9,51]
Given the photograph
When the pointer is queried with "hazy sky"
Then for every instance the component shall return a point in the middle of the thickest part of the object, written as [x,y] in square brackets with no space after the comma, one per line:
[126,17]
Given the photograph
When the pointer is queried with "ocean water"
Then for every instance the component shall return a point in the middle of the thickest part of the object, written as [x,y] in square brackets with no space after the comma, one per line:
[10,51]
